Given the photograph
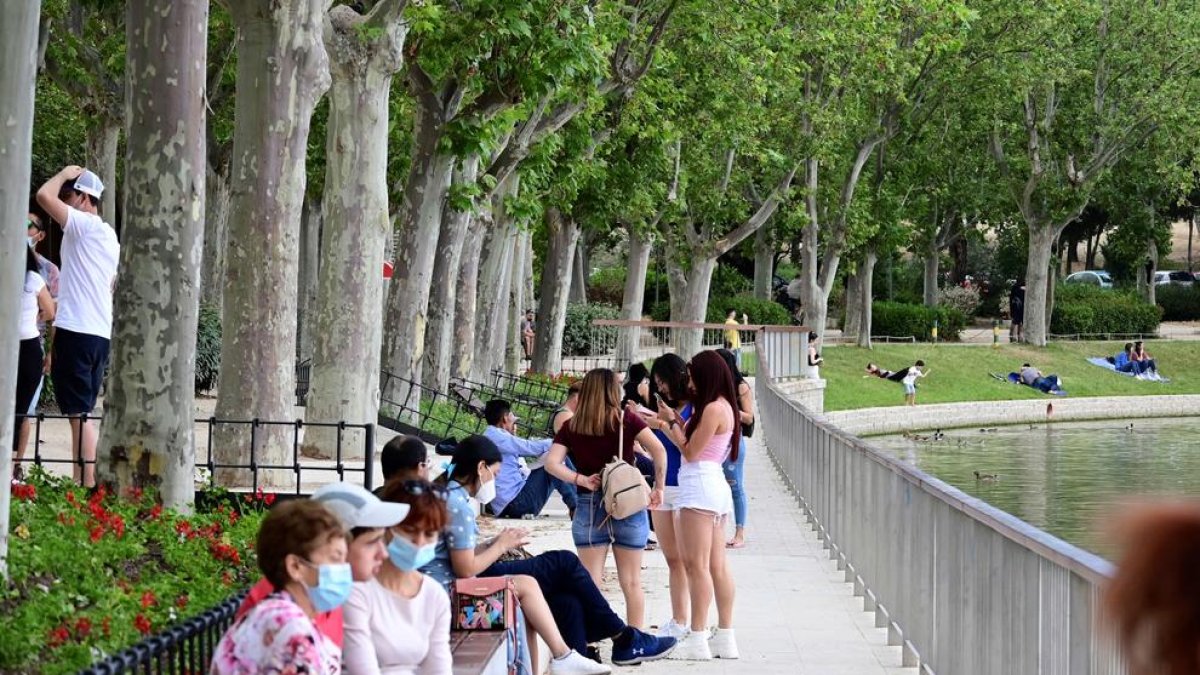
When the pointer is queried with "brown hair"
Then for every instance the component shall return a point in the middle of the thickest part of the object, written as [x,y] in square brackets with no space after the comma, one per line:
[599,408]
[1154,599]
[294,527]
[426,508]
[575,388]
[712,379]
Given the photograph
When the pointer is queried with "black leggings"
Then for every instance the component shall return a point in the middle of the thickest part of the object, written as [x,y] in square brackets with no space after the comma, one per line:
[29,376]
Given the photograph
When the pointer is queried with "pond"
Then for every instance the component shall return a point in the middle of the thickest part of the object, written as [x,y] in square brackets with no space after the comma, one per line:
[1065,478]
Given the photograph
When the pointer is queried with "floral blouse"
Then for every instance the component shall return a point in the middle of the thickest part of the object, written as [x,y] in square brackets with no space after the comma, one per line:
[276,638]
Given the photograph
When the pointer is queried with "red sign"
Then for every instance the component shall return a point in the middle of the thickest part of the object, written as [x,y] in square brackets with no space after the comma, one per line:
[388,268]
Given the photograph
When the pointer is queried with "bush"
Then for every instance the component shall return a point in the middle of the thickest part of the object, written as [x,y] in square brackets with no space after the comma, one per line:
[1179,303]
[208,348]
[93,573]
[758,311]
[580,338]
[897,319]
[1087,310]
[607,286]
[965,300]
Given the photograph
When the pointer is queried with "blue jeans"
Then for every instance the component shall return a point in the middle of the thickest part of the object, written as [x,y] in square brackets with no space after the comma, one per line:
[593,527]
[533,496]
[735,472]
[580,611]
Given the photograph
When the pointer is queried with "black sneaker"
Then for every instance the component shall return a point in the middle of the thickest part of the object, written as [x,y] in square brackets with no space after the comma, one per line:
[640,647]
[593,653]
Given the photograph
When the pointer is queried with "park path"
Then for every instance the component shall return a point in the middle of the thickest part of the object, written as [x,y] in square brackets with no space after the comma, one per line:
[794,613]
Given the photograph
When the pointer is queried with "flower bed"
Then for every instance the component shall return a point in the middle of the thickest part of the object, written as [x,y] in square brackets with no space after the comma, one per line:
[91,574]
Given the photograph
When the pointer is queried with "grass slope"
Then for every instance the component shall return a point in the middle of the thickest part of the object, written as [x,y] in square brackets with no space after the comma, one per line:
[960,372]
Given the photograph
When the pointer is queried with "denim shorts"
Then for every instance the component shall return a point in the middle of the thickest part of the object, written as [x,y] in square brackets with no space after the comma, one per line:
[591,529]
[910,388]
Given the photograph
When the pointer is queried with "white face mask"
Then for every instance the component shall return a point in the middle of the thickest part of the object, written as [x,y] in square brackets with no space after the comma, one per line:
[487,490]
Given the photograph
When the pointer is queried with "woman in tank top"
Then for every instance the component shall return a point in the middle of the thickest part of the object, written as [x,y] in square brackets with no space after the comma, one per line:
[705,501]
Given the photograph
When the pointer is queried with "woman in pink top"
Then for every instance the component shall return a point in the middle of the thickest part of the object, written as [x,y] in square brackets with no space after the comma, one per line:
[705,501]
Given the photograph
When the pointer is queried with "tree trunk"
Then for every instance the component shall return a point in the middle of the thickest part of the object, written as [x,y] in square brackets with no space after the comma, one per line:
[563,236]
[439,334]
[866,288]
[148,438]
[1151,269]
[853,314]
[814,294]
[100,153]
[1037,272]
[420,224]
[517,304]
[629,339]
[1093,242]
[1191,229]
[764,264]
[282,70]
[348,330]
[216,223]
[491,317]
[465,337]
[18,45]
[694,308]
[932,264]
[310,265]
[578,292]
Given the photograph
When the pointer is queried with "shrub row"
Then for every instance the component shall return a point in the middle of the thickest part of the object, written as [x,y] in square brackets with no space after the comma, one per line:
[1179,303]
[1086,310]
[758,311]
[580,338]
[898,319]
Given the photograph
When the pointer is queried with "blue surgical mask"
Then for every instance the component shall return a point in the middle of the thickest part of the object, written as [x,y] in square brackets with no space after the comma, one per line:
[407,556]
[30,242]
[334,581]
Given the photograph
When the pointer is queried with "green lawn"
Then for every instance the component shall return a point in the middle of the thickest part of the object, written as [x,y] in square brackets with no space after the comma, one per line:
[960,372]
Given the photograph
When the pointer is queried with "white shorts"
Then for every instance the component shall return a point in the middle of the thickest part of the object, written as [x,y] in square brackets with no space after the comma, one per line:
[702,486]
[670,496]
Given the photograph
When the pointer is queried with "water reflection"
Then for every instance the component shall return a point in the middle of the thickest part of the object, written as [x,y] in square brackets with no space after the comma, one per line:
[1063,477]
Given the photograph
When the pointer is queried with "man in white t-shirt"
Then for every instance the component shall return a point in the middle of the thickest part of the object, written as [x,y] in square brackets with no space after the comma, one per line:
[83,326]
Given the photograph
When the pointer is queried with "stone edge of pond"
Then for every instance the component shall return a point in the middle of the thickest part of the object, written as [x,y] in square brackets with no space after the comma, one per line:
[894,419]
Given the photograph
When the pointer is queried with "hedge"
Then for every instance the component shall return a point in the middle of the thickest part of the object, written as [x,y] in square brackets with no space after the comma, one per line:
[1087,310]
[897,319]
[1179,303]
[758,311]
[208,348]
[578,336]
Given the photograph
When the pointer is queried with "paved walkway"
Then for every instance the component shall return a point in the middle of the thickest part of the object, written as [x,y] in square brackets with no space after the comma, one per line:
[794,614]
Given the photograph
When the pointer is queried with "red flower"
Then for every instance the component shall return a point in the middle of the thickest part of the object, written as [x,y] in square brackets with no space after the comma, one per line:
[141,623]
[71,499]
[83,627]
[58,636]
[97,533]
[134,493]
[104,626]
[182,601]
[156,512]
[24,491]
[233,517]
[269,499]
[226,578]
[148,599]
[117,525]
[222,551]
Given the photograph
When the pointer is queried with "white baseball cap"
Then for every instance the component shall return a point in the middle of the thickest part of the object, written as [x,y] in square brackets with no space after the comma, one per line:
[357,507]
[89,184]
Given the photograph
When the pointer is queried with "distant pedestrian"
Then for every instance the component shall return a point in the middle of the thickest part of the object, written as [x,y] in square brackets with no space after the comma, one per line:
[910,382]
[527,334]
[1016,310]
[814,355]
[83,327]
[733,337]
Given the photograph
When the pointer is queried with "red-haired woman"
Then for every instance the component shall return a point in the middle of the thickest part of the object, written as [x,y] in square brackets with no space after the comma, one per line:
[704,501]
[1155,597]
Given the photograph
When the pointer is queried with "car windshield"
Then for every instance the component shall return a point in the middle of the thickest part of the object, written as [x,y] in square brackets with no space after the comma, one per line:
[1104,276]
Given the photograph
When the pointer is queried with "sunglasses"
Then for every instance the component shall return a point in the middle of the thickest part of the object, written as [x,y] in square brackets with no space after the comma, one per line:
[417,488]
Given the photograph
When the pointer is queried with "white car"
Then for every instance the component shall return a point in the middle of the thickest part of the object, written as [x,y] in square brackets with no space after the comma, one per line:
[1091,277]
[1174,278]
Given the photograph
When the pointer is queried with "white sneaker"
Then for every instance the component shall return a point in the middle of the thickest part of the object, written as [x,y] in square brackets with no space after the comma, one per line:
[574,663]
[723,644]
[694,647]
[673,629]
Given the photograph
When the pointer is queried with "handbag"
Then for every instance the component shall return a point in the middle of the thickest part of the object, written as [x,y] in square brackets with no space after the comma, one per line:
[484,603]
[623,485]
[748,429]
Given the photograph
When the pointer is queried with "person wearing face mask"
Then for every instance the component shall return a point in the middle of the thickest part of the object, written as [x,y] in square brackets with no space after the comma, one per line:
[553,585]
[301,550]
[36,303]
[35,232]
[83,326]
[365,518]
[398,622]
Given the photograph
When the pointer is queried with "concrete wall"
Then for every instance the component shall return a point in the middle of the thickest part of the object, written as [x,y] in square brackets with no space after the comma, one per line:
[806,392]
[895,419]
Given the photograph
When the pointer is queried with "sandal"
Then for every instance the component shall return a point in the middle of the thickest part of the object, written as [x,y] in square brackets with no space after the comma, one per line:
[735,544]
[651,545]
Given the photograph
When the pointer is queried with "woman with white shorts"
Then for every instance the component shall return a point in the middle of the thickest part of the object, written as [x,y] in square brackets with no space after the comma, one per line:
[704,501]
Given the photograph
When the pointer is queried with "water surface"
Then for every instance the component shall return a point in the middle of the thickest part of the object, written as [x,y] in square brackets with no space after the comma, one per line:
[1066,478]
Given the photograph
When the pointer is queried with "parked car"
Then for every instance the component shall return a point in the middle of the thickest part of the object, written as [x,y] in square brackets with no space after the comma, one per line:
[1174,278]
[1092,278]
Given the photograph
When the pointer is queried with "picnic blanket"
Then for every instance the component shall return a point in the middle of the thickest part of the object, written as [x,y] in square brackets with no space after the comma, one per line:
[1107,365]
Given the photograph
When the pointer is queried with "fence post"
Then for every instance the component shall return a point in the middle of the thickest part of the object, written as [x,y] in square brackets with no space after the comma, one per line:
[369,457]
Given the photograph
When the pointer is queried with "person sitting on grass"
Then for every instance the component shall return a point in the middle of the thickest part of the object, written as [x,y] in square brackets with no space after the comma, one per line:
[1125,363]
[910,382]
[1142,358]
[1032,377]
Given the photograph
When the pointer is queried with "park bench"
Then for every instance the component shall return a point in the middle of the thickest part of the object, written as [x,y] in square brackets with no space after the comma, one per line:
[478,653]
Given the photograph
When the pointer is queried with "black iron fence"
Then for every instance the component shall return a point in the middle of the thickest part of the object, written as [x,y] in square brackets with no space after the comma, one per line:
[532,388]
[339,464]
[185,648]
